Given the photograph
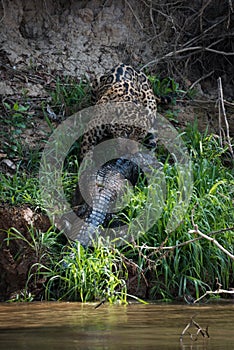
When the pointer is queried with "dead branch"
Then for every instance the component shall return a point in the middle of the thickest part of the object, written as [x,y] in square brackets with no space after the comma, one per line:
[198,37]
[228,103]
[4,11]
[184,243]
[186,49]
[222,111]
[230,5]
[200,79]
[210,292]
[197,231]
[200,330]
[211,239]
[170,54]
[201,13]
[219,52]
[137,19]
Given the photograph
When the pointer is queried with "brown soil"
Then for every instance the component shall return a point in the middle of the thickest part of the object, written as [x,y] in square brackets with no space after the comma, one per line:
[44,39]
[16,255]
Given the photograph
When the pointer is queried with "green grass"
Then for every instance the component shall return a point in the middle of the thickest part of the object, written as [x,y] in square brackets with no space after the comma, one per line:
[193,268]
[86,275]
[69,95]
[14,122]
[42,243]
[73,273]
[19,188]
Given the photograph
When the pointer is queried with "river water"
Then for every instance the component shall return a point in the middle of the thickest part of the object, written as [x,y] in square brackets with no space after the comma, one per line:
[50,326]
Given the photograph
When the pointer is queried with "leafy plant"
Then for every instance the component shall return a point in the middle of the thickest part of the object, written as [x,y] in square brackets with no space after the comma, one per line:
[42,243]
[17,116]
[23,296]
[195,267]
[69,95]
[86,275]
[164,87]
[19,188]
[15,121]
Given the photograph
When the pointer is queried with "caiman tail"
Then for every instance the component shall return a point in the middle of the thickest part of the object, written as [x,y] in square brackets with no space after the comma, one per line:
[107,185]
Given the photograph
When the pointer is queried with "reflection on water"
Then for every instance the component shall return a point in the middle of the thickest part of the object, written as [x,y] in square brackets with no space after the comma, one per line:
[49,326]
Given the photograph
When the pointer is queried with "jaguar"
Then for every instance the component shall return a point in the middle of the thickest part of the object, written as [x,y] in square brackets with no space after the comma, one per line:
[124,108]
[121,84]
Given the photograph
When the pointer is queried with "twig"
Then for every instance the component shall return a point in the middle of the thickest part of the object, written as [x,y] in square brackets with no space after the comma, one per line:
[131,263]
[221,131]
[230,5]
[208,237]
[170,54]
[137,19]
[151,17]
[195,48]
[100,303]
[210,292]
[205,102]
[186,242]
[4,12]
[219,52]
[191,41]
[223,112]
[228,103]
[201,13]
[200,79]
[211,239]
[203,332]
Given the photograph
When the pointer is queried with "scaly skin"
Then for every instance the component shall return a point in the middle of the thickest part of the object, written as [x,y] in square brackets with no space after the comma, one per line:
[109,183]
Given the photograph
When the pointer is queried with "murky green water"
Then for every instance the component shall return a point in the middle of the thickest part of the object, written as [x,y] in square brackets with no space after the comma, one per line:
[49,326]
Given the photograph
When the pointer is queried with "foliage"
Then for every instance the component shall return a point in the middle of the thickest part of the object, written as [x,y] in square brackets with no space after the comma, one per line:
[195,267]
[23,296]
[69,95]
[74,273]
[42,243]
[86,275]
[165,86]
[14,123]
[16,120]
[19,188]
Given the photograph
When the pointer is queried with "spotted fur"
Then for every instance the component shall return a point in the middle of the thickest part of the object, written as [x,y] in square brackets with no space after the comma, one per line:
[121,84]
